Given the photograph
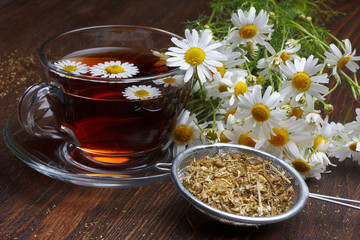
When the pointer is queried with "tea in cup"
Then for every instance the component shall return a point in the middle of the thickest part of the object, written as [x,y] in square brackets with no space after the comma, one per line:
[112,97]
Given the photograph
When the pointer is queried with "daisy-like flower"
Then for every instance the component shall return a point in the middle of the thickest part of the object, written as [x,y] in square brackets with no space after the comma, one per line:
[173,81]
[233,59]
[260,112]
[114,69]
[304,81]
[309,167]
[250,27]
[276,59]
[141,92]
[286,140]
[240,136]
[235,84]
[314,121]
[338,59]
[185,134]
[196,52]
[318,162]
[349,149]
[72,66]
[353,127]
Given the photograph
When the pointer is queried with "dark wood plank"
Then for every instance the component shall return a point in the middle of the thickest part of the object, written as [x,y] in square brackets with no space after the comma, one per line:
[34,206]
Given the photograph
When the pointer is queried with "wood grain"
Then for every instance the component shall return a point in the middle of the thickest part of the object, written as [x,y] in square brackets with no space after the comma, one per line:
[34,206]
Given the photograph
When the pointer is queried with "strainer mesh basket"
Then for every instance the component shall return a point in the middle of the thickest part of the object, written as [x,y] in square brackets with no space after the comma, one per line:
[184,159]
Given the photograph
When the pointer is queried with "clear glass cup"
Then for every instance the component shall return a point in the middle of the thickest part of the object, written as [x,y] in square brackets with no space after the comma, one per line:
[106,122]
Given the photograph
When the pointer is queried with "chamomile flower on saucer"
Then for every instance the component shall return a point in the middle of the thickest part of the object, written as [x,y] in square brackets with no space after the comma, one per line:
[196,53]
[250,27]
[141,92]
[114,69]
[338,59]
[261,112]
[303,80]
[72,66]
[173,81]
[185,134]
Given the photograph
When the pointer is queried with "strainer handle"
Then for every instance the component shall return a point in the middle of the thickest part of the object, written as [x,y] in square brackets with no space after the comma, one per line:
[335,200]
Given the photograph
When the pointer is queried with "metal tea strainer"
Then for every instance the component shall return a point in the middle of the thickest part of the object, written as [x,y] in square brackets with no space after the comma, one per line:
[301,191]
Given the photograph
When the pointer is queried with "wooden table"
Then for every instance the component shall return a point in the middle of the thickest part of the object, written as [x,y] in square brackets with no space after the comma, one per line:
[34,206]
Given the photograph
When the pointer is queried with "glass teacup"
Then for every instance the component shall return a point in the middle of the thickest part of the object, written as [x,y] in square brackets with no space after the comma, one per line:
[111,95]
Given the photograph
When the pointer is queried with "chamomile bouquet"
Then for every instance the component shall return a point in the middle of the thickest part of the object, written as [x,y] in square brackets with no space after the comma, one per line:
[261,78]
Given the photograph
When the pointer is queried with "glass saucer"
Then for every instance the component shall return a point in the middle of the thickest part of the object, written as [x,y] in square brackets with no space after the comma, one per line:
[48,156]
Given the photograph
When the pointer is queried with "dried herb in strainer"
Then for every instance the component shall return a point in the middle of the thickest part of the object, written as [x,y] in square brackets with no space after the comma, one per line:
[239,184]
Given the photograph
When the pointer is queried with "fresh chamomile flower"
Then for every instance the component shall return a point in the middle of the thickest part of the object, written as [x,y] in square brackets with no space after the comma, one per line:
[338,59]
[353,127]
[348,149]
[173,81]
[276,59]
[304,81]
[322,143]
[260,112]
[196,53]
[309,167]
[186,133]
[286,140]
[318,161]
[314,121]
[241,136]
[250,27]
[114,69]
[141,92]
[215,87]
[72,66]
[235,85]
[291,43]
[233,59]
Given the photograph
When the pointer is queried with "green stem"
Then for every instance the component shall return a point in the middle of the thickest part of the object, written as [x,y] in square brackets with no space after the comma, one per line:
[347,113]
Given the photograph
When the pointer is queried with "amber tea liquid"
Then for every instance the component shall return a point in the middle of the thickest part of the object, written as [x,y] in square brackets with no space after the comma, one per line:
[102,120]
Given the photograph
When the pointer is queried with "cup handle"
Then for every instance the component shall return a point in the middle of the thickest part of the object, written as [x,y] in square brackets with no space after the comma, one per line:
[34,99]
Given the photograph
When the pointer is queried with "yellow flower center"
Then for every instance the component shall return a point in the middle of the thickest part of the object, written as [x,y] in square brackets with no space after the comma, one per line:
[301,81]
[230,112]
[194,56]
[297,112]
[240,88]
[221,70]
[318,140]
[301,166]
[223,138]
[260,112]
[353,146]
[169,80]
[280,138]
[212,135]
[114,69]
[245,140]
[141,93]
[248,31]
[223,88]
[343,61]
[284,56]
[70,68]
[183,134]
